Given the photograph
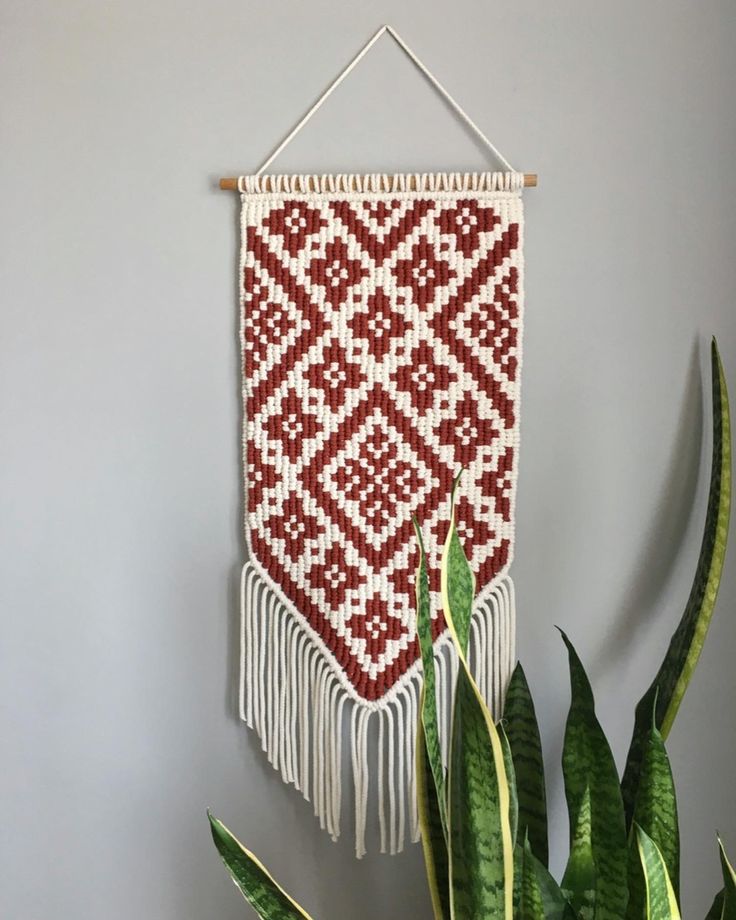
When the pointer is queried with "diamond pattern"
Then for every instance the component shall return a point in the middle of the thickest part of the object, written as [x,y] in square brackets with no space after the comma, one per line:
[381,346]
[376,325]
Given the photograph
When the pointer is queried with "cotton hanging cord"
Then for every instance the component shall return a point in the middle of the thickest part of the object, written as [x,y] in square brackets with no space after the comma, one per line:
[385,29]
[450,99]
[529,180]
[323,98]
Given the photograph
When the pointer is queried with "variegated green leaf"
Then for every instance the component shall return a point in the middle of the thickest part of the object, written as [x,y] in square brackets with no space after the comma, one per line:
[531,906]
[520,722]
[554,904]
[588,763]
[481,850]
[637,906]
[655,811]
[579,881]
[479,802]
[511,782]
[431,793]
[267,898]
[429,696]
[661,903]
[716,908]
[729,885]
[686,644]
[457,580]
[434,844]
[518,868]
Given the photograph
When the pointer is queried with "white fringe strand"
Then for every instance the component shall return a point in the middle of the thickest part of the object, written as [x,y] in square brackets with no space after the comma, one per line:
[292,696]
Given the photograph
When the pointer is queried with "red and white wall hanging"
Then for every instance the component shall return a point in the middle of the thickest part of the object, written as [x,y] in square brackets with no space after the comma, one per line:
[381,327]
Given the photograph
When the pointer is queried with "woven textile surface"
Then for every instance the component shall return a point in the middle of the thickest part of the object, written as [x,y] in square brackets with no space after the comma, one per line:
[381,349]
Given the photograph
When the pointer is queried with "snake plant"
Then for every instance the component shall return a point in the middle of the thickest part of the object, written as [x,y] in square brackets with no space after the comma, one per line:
[484,817]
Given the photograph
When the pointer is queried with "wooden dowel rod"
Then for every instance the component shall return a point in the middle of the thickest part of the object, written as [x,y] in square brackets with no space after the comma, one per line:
[230,184]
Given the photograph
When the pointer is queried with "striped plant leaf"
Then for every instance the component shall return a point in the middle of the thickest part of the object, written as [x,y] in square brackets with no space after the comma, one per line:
[661,903]
[716,908]
[518,870]
[686,644]
[531,905]
[508,763]
[479,801]
[729,885]
[457,580]
[434,844]
[655,811]
[431,792]
[637,906]
[481,849]
[554,904]
[520,722]
[579,880]
[588,763]
[429,696]
[258,886]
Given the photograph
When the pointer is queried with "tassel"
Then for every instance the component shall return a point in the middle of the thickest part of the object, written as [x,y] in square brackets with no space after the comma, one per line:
[299,706]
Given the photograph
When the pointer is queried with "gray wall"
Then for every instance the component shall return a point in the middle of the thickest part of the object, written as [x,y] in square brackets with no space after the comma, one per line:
[119,500]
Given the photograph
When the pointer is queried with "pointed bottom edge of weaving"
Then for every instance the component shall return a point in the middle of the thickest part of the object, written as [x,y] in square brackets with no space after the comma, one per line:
[323,738]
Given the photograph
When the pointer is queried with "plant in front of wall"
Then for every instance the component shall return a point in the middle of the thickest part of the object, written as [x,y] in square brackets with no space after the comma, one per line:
[483,815]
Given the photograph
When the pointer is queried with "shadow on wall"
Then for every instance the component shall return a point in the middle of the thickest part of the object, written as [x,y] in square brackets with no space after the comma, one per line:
[668,529]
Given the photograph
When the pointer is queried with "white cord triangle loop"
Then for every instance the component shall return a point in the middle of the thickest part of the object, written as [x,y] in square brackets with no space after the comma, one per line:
[427,73]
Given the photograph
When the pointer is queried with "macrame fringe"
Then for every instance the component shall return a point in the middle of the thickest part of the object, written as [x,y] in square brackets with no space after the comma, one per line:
[347,183]
[290,694]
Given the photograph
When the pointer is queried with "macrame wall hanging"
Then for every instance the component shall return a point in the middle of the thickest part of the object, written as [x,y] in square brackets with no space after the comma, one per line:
[381,321]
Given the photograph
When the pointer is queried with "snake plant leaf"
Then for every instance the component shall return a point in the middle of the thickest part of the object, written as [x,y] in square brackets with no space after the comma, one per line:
[434,843]
[508,763]
[661,903]
[554,903]
[520,722]
[579,880]
[729,885]
[481,848]
[531,905]
[457,579]
[655,811]
[676,670]
[637,906]
[518,871]
[588,764]
[429,695]
[716,908]
[258,886]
